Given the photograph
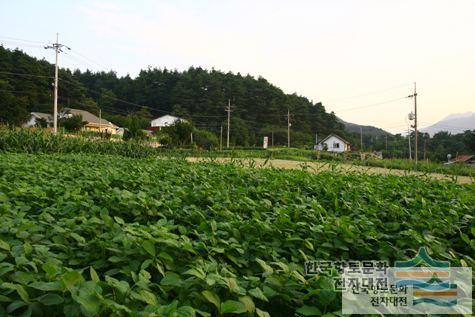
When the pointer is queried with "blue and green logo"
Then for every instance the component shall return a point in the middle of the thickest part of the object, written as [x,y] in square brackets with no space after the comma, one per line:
[429,280]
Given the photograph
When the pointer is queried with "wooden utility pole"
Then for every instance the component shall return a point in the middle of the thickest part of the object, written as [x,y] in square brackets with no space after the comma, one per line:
[415,124]
[425,148]
[58,49]
[386,144]
[221,139]
[100,120]
[414,95]
[361,139]
[288,128]
[272,138]
[228,110]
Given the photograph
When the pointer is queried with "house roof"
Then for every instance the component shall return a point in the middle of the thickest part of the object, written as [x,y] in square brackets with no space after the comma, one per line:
[42,115]
[169,116]
[166,120]
[88,117]
[464,158]
[336,136]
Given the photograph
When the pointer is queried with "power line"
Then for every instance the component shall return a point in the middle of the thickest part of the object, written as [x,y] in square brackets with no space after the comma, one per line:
[375,91]
[369,106]
[24,74]
[22,40]
[5,42]
[26,92]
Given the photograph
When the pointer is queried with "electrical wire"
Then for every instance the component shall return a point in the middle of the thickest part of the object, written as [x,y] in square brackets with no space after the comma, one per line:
[24,74]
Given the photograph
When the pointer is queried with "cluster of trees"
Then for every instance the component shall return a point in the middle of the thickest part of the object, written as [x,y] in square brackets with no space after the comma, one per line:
[433,148]
[199,96]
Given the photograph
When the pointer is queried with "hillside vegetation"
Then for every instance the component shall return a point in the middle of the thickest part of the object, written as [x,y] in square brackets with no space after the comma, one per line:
[199,95]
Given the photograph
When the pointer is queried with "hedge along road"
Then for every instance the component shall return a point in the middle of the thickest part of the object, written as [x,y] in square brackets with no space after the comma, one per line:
[315,167]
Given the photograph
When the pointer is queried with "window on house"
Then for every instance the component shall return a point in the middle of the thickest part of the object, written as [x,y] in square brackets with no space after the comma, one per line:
[336,145]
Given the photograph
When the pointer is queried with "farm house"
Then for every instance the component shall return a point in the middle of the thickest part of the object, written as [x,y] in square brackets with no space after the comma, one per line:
[36,117]
[164,121]
[93,123]
[334,143]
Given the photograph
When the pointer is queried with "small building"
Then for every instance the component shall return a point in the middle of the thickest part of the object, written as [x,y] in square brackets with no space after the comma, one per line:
[164,121]
[93,123]
[463,159]
[334,143]
[37,117]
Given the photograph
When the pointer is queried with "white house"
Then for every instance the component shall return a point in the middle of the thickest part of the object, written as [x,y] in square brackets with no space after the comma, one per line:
[333,143]
[165,121]
[36,116]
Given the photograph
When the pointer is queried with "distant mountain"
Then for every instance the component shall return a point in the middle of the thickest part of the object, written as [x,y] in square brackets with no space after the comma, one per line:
[454,123]
[368,130]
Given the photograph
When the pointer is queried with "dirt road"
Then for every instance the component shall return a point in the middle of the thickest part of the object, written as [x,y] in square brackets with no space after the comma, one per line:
[315,167]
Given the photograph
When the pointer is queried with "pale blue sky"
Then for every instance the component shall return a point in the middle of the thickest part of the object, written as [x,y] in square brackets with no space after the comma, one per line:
[344,53]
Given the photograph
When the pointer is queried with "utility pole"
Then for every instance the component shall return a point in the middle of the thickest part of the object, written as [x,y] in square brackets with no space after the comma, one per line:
[100,120]
[228,110]
[58,49]
[288,128]
[361,139]
[272,138]
[425,148]
[415,123]
[386,144]
[221,139]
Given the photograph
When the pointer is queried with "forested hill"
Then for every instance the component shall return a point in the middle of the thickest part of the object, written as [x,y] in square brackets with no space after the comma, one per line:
[258,107]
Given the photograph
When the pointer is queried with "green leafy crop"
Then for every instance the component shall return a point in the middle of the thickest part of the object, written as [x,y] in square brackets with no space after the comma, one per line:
[98,235]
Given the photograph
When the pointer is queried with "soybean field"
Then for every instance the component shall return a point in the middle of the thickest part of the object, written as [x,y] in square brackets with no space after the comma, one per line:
[102,235]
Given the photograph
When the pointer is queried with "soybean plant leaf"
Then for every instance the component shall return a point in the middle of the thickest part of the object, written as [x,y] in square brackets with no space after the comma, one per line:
[171,279]
[232,307]
[72,310]
[212,298]
[257,293]
[185,311]
[47,286]
[19,289]
[146,296]
[15,305]
[267,268]
[149,246]
[308,311]
[4,245]
[248,303]
[89,298]
[119,220]
[262,313]
[196,272]
[50,299]
[94,276]
[121,286]
[72,278]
